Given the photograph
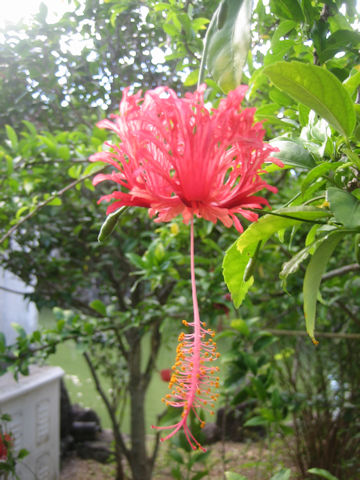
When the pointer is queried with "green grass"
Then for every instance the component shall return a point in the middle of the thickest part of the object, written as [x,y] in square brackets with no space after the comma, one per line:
[82,389]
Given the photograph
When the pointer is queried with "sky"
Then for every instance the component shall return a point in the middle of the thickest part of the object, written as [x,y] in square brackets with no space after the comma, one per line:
[13,11]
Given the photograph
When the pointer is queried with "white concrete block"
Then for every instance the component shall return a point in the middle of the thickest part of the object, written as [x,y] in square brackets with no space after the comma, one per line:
[34,406]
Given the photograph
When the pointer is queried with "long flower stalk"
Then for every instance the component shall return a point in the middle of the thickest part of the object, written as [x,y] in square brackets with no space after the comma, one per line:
[177,157]
[193,379]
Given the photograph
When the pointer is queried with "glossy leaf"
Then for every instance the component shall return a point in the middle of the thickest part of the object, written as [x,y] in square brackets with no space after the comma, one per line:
[289,9]
[11,134]
[339,41]
[322,473]
[294,263]
[234,266]
[227,42]
[293,153]
[281,219]
[313,274]
[238,255]
[318,89]
[317,172]
[98,306]
[283,474]
[345,206]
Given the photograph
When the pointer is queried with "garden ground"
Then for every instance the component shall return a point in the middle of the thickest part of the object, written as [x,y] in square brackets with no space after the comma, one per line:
[253,460]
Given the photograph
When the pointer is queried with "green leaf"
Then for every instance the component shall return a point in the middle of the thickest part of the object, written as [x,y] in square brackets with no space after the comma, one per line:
[293,153]
[317,172]
[2,342]
[30,126]
[283,474]
[227,42]
[176,474]
[255,422]
[199,475]
[322,473]
[318,89]
[175,455]
[287,9]
[36,336]
[263,342]
[312,279]
[294,263]
[55,202]
[234,476]
[238,255]
[98,306]
[345,206]
[234,265]
[241,326]
[170,29]
[109,224]
[22,453]
[352,83]
[192,78]
[64,152]
[279,220]
[339,41]
[19,330]
[10,132]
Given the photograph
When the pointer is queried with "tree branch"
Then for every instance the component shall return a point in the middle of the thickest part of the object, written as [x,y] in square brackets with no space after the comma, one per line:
[341,271]
[116,427]
[302,333]
[46,202]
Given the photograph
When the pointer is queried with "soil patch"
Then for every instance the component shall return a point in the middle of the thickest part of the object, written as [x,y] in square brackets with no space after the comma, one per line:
[255,460]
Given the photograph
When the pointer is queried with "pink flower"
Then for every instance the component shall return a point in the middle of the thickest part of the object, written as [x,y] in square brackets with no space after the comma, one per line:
[178,158]
[5,443]
[165,374]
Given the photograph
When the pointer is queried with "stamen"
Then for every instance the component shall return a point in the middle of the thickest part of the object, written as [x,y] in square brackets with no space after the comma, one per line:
[191,377]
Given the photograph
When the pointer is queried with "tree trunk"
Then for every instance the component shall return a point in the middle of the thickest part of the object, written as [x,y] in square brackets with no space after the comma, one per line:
[139,462]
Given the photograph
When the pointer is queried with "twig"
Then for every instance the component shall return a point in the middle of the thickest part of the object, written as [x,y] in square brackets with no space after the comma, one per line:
[45,202]
[13,291]
[341,271]
[302,333]
[110,410]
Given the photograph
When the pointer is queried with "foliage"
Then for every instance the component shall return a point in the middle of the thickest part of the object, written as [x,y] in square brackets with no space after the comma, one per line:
[298,90]
[302,72]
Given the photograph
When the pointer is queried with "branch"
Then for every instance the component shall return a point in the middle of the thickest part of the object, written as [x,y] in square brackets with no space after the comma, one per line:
[117,434]
[341,271]
[302,333]
[155,346]
[349,313]
[14,291]
[45,202]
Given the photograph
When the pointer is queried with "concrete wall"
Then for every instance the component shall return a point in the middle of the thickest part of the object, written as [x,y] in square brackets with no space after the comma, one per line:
[34,406]
[14,308]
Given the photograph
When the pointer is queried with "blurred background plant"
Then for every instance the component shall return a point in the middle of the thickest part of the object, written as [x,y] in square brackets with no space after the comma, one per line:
[9,456]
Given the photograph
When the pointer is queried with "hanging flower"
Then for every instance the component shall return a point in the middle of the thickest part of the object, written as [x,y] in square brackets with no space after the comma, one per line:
[176,157]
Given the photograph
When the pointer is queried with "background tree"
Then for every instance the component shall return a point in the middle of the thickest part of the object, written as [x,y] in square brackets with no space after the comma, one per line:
[52,94]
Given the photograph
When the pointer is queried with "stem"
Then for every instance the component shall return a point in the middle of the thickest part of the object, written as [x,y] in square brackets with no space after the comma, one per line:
[120,447]
[285,215]
[197,333]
